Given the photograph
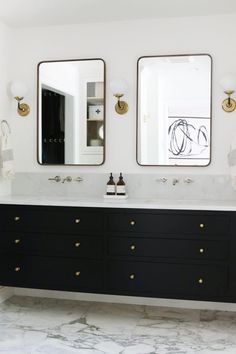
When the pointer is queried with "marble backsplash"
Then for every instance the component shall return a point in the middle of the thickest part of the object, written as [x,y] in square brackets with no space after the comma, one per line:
[207,187]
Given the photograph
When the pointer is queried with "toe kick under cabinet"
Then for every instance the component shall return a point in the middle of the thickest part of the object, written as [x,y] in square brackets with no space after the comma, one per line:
[137,252]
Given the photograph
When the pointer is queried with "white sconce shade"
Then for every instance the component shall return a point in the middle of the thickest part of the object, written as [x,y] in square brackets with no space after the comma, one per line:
[119,88]
[228,83]
[18,90]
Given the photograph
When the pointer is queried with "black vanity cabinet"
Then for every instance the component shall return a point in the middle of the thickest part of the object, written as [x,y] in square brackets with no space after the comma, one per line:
[52,248]
[153,253]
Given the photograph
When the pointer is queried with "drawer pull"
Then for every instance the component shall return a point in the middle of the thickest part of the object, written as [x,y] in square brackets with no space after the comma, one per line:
[77,244]
[77,221]
[132,222]
[17,269]
[201,250]
[16,218]
[132,247]
[16,241]
[132,276]
[77,274]
[202,226]
[200,281]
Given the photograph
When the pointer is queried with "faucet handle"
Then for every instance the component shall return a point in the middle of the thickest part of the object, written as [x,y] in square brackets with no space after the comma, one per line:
[162,179]
[56,179]
[78,179]
[188,180]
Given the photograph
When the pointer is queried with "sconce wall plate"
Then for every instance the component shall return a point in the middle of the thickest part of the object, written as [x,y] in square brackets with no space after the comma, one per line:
[23,109]
[229,107]
[121,107]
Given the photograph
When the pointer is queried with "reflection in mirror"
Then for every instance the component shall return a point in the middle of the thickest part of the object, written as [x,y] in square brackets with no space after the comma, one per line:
[174,110]
[71,112]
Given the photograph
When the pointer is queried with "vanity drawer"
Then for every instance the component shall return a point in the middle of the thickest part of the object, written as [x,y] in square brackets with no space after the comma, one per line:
[51,244]
[170,223]
[51,273]
[69,220]
[167,279]
[168,248]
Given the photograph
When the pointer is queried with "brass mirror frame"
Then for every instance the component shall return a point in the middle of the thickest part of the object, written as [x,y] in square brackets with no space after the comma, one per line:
[104,124]
[137,107]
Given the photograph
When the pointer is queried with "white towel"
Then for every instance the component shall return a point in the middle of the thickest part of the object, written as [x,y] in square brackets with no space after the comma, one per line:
[6,152]
[232,163]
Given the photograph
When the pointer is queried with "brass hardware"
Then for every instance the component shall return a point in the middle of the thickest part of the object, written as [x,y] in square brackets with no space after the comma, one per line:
[229,104]
[132,222]
[132,247]
[77,221]
[202,226]
[201,250]
[200,281]
[16,241]
[16,218]
[77,274]
[121,107]
[132,276]
[17,269]
[23,109]
[77,244]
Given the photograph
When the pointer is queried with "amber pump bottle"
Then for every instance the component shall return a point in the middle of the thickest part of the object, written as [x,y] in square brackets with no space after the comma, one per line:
[111,186]
[120,188]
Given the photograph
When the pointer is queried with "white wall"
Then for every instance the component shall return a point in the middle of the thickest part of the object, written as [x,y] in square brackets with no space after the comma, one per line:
[120,44]
[4,97]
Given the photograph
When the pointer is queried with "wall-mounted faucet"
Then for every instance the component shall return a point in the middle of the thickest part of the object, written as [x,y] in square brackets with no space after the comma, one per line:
[65,179]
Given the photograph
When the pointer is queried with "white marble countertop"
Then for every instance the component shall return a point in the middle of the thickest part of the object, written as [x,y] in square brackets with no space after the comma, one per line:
[223,205]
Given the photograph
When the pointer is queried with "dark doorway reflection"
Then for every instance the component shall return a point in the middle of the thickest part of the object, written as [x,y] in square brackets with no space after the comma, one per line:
[53,127]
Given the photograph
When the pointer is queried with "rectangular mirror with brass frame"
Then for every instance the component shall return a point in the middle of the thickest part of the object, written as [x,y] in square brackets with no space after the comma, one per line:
[71,112]
[174,95]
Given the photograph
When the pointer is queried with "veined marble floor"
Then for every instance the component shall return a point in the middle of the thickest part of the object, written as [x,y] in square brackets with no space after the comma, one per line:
[47,326]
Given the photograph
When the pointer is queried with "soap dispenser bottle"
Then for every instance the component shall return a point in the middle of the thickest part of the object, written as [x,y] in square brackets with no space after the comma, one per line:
[120,189]
[111,186]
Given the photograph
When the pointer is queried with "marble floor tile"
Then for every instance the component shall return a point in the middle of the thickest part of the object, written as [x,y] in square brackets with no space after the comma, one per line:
[49,326]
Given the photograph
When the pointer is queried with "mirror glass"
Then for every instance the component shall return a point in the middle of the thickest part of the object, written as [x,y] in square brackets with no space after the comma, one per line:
[174,110]
[71,112]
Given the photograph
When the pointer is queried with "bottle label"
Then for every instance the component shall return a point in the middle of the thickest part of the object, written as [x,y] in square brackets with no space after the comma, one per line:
[120,189]
[111,189]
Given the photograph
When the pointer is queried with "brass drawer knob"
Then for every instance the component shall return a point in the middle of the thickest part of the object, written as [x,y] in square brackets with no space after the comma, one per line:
[132,276]
[17,269]
[132,247]
[200,281]
[201,250]
[201,226]
[132,222]
[77,244]
[77,221]
[16,241]
[77,274]
[16,218]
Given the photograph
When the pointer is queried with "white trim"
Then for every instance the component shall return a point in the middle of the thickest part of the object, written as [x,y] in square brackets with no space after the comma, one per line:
[190,304]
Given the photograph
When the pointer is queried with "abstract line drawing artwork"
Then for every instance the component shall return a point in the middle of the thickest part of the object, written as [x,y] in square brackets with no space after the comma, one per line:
[188,137]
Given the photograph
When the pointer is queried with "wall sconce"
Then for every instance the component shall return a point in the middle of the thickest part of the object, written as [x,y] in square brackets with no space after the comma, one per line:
[228,83]
[119,88]
[18,90]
